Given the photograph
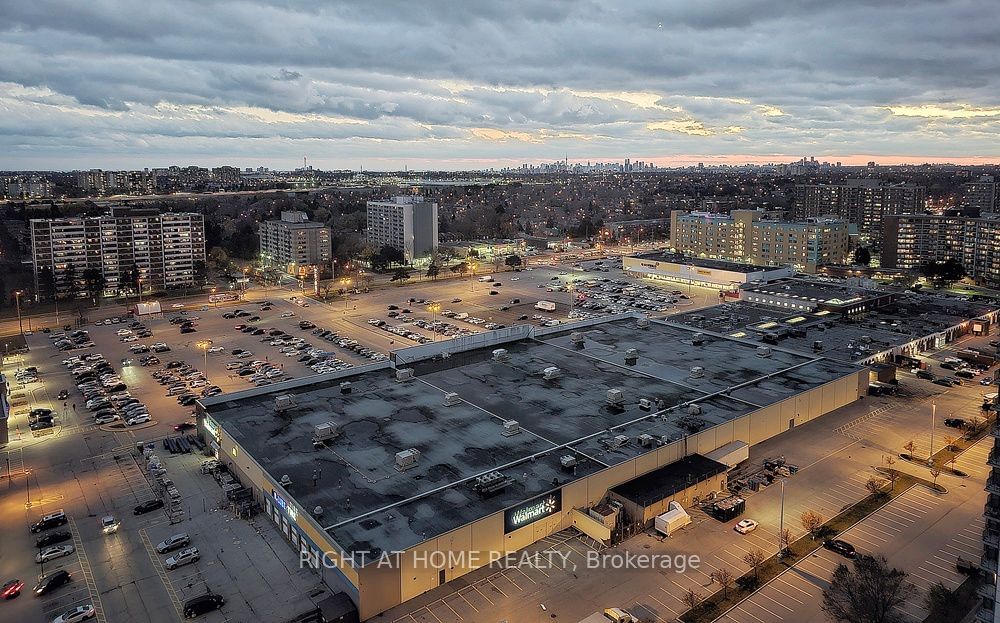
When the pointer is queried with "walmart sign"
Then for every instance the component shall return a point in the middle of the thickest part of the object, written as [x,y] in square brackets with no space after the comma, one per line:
[531,511]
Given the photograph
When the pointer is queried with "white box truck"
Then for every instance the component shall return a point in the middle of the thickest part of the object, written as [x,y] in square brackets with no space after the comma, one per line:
[548,306]
[674,519]
[486,278]
[732,454]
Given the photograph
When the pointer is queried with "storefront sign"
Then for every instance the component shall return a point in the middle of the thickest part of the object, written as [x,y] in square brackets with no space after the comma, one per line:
[278,500]
[531,511]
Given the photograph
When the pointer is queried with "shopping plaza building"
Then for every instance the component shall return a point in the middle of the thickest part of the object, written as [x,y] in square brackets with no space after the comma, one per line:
[482,445]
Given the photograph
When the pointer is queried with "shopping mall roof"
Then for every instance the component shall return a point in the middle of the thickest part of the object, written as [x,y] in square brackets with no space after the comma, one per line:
[371,505]
[686,260]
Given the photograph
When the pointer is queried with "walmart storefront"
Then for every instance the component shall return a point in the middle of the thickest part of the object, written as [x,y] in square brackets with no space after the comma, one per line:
[701,272]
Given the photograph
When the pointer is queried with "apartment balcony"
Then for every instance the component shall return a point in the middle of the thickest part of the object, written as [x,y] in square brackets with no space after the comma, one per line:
[988,563]
[994,458]
[984,615]
[991,537]
[987,590]
[991,511]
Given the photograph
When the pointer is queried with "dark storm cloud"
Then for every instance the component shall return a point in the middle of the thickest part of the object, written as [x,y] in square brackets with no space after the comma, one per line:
[446,81]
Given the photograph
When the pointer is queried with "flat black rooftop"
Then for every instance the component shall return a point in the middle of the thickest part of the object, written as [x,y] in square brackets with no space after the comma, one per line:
[664,482]
[687,260]
[370,505]
[815,292]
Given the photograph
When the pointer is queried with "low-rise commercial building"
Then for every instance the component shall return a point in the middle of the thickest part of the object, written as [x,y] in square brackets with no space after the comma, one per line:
[760,238]
[685,270]
[435,465]
[295,245]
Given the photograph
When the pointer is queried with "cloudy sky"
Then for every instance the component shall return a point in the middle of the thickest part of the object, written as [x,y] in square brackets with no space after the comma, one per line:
[461,84]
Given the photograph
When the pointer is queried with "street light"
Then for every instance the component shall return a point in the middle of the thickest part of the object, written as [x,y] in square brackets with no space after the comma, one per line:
[17,301]
[781,522]
[434,308]
[204,345]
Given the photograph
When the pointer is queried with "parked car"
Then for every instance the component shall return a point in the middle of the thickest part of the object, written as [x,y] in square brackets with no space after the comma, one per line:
[147,507]
[175,541]
[51,520]
[841,547]
[52,538]
[56,551]
[202,604]
[86,611]
[745,526]
[48,583]
[183,557]
[954,422]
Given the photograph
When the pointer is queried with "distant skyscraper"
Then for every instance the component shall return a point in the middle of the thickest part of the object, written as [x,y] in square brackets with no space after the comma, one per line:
[407,223]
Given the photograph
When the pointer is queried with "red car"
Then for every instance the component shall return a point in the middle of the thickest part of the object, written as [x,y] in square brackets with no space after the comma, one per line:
[183,426]
[11,589]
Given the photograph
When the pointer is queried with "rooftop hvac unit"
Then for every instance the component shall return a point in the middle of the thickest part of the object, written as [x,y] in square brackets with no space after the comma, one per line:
[551,372]
[866,339]
[817,344]
[645,404]
[569,461]
[694,409]
[631,355]
[763,351]
[451,399]
[490,483]
[646,441]
[286,481]
[283,402]
[576,337]
[406,459]
[324,432]
[643,323]
[501,354]
[698,339]
[404,374]
[615,398]
[511,427]
[697,372]
[345,387]
[619,440]
[318,511]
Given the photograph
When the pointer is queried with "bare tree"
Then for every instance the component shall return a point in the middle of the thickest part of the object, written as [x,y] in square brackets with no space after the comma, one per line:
[869,593]
[812,521]
[910,447]
[784,540]
[950,443]
[874,485]
[755,558]
[691,598]
[935,472]
[725,579]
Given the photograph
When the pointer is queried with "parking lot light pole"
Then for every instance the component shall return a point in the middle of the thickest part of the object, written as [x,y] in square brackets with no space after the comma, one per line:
[17,301]
[781,521]
[930,453]
[204,346]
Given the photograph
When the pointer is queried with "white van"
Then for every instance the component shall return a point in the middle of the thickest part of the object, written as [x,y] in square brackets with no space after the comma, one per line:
[461,316]
[486,278]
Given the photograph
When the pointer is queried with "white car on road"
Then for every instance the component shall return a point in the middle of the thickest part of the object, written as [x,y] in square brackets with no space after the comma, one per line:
[216,349]
[56,551]
[287,314]
[177,305]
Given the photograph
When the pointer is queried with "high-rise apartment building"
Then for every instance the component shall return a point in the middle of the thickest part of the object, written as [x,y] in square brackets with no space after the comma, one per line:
[295,244]
[863,202]
[407,223]
[980,196]
[165,249]
[913,239]
[760,238]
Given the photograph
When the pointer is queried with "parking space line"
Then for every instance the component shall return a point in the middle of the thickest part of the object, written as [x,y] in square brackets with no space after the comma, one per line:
[671,610]
[88,574]
[655,615]
[452,609]
[476,588]
[787,596]
[160,571]
[459,593]
[765,595]
[740,608]
[798,588]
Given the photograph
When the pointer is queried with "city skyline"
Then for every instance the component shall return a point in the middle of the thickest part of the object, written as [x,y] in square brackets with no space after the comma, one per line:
[440,87]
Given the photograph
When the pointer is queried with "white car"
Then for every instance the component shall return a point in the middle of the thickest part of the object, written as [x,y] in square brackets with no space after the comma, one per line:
[745,526]
[233,365]
[109,525]
[183,557]
[244,355]
[142,418]
[86,611]
[199,383]
[123,332]
[106,419]
[129,338]
[177,305]
[287,314]
[56,551]
[216,349]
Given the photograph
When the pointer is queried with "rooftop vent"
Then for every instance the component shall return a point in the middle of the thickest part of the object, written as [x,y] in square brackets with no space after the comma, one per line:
[510,428]
[645,404]
[697,372]
[817,344]
[451,399]
[615,398]
[345,387]
[643,323]
[406,459]
[576,337]
[763,351]
[324,432]
[404,374]
[631,355]
[646,441]
[619,440]
[569,461]
[694,409]
[318,511]
[698,339]
[490,483]
[286,481]
[501,354]
[283,402]
[551,373]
